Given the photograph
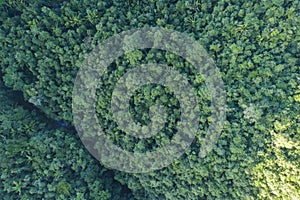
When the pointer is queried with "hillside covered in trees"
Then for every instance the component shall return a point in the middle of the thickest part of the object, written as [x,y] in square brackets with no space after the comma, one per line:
[254,44]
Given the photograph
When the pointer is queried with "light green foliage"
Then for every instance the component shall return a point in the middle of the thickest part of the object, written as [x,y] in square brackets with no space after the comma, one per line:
[277,174]
[252,113]
[255,44]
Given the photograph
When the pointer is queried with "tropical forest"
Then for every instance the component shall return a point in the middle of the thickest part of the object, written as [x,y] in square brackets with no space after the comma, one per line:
[254,47]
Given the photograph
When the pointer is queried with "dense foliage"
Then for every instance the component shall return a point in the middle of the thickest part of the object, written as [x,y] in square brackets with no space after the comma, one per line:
[40,160]
[256,46]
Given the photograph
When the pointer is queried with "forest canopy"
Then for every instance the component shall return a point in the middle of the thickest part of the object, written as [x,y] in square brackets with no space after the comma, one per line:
[254,44]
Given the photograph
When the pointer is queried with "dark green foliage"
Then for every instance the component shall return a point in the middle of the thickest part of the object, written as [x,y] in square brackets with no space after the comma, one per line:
[256,46]
[40,162]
